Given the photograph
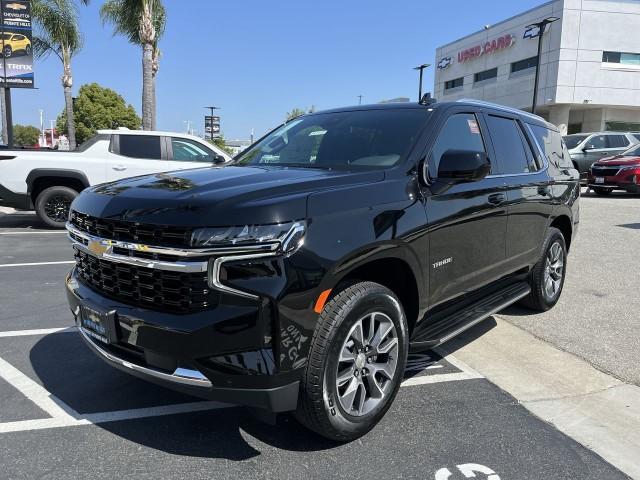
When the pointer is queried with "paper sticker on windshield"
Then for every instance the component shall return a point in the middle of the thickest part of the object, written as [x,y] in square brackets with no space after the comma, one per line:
[473,126]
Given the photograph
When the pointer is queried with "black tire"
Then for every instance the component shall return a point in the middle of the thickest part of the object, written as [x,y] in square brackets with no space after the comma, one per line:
[602,191]
[7,51]
[319,406]
[28,50]
[539,298]
[52,205]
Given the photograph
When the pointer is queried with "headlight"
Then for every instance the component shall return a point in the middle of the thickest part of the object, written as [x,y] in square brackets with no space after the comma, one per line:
[287,236]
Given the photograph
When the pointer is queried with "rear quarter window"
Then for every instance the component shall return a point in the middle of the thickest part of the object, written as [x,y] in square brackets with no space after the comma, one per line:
[553,146]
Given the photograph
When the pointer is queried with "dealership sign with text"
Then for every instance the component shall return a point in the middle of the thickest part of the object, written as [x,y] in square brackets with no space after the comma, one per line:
[491,46]
[16,58]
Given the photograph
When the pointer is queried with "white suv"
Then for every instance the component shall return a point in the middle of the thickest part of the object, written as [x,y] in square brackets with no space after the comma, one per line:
[48,181]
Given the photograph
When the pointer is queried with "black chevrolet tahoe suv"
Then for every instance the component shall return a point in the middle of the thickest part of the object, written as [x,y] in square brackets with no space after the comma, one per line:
[298,278]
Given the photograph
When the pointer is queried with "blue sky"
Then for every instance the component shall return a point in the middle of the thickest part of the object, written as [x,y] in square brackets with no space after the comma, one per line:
[259,59]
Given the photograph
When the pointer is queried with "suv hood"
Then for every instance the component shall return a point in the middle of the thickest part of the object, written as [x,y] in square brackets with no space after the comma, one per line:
[220,196]
[618,160]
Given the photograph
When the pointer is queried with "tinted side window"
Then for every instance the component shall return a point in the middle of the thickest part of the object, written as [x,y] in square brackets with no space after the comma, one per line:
[617,141]
[509,145]
[140,146]
[460,132]
[596,142]
[551,142]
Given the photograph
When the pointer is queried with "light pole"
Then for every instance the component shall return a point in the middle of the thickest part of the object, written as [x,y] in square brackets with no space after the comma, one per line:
[360,99]
[211,125]
[541,26]
[420,69]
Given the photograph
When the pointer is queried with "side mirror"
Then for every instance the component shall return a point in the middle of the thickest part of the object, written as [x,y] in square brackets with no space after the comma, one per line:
[462,166]
[588,147]
[217,158]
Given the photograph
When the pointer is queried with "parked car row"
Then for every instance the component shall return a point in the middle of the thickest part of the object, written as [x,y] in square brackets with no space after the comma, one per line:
[587,148]
[607,161]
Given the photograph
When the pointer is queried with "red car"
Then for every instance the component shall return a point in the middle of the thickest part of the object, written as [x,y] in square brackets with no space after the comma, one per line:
[621,172]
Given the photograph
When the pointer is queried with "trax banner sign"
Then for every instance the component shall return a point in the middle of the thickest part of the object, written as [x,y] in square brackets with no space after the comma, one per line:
[212,125]
[490,46]
[16,67]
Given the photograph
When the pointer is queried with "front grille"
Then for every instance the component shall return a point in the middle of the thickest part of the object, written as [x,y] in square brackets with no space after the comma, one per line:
[158,235]
[145,287]
[605,171]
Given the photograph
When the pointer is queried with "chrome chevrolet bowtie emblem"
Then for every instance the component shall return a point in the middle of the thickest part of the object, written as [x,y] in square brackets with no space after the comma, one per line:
[98,247]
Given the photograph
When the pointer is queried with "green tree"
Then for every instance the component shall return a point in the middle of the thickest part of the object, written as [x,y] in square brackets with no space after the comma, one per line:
[142,22]
[296,112]
[57,31]
[99,108]
[220,143]
[25,135]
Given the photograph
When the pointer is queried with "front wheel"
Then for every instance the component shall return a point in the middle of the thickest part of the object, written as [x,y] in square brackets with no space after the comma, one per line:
[28,50]
[547,276]
[356,363]
[7,51]
[52,205]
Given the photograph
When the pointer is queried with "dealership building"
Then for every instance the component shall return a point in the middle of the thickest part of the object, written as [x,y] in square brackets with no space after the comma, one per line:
[589,70]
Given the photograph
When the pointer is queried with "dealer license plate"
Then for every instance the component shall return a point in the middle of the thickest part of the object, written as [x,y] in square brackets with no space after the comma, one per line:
[98,324]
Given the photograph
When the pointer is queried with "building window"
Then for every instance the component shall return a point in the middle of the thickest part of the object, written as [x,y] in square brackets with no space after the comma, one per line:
[455,83]
[486,75]
[621,58]
[524,64]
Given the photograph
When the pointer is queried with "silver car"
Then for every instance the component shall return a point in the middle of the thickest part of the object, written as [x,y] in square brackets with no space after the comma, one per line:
[587,148]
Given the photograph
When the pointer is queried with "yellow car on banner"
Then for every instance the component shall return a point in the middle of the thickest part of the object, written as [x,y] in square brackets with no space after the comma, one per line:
[15,42]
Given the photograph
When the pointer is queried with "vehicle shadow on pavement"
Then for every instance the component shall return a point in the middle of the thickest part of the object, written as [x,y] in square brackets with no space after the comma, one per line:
[72,373]
[22,220]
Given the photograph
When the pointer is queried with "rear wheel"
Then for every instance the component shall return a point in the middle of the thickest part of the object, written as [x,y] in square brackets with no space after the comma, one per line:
[357,359]
[547,276]
[52,205]
[602,191]
[7,51]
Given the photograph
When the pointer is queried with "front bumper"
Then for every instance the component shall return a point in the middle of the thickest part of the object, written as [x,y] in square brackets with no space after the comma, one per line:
[216,355]
[628,181]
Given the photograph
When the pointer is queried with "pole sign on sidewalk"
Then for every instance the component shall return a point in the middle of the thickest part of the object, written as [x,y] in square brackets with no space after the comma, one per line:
[16,40]
[212,125]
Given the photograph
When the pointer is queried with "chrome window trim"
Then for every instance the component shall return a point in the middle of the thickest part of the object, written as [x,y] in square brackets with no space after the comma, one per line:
[181,375]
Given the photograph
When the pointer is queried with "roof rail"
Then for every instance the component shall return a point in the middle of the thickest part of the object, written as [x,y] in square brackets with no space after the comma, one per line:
[504,108]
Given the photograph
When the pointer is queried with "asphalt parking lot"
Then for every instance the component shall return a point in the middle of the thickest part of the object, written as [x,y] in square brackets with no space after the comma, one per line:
[65,414]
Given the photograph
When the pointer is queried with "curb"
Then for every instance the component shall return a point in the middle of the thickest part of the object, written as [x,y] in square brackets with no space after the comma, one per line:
[595,409]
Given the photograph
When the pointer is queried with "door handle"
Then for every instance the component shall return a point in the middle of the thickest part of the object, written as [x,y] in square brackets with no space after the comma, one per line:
[496,198]
[119,168]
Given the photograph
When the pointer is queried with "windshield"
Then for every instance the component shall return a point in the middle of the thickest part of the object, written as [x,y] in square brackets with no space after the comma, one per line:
[573,141]
[634,151]
[364,138]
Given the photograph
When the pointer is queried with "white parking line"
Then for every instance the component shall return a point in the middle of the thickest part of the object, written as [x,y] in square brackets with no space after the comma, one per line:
[41,331]
[35,232]
[35,392]
[62,415]
[6,265]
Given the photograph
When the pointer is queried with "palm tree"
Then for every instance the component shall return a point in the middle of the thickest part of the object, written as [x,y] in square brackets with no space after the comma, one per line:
[142,22]
[57,31]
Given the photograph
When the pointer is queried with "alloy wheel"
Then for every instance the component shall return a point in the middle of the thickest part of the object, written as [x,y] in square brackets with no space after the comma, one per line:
[367,364]
[57,208]
[553,271]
